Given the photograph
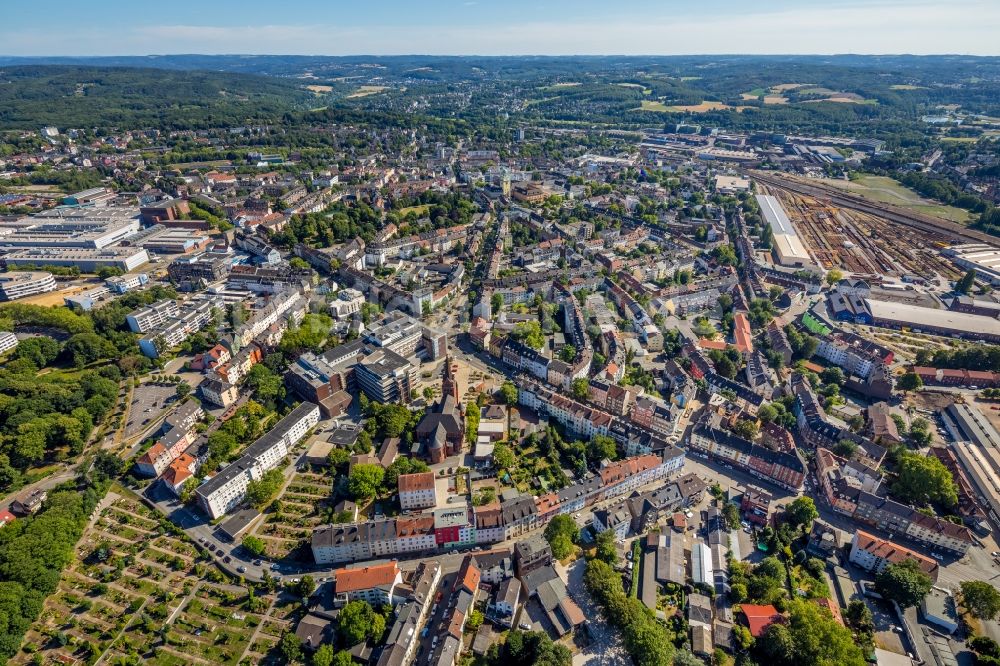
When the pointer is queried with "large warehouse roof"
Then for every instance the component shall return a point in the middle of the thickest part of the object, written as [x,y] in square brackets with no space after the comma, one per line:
[790,249]
[775,215]
[918,317]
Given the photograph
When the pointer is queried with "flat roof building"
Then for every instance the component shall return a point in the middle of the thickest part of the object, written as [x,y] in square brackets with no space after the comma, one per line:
[88,260]
[19,284]
[787,245]
[930,320]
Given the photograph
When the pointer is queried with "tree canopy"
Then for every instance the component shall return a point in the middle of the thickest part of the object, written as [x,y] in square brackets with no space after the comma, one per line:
[981,599]
[903,583]
[561,533]
[922,479]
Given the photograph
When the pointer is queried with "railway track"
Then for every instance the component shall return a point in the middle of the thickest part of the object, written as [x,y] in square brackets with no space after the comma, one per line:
[949,231]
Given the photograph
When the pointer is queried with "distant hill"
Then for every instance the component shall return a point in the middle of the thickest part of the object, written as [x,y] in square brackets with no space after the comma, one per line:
[89,96]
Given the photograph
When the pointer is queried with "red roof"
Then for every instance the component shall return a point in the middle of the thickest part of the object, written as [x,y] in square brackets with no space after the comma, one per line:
[833,608]
[414,482]
[742,335]
[6,517]
[365,578]
[760,618]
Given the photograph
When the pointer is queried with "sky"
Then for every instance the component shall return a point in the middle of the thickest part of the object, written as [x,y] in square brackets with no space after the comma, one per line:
[489,27]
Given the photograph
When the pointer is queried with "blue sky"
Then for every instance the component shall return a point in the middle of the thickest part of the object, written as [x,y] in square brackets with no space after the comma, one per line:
[489,27]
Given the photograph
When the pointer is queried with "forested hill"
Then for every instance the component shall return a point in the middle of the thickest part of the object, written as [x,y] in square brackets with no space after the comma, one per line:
[85,96]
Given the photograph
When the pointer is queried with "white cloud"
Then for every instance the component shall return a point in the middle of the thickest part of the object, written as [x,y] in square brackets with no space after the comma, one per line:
[882,26]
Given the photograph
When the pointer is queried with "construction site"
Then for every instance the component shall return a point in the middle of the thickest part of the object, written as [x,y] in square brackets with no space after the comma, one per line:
[862,238]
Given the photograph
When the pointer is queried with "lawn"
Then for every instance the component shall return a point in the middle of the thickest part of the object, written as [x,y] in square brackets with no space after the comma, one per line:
[888,190]
[365,91]
[419,211]
[650,105]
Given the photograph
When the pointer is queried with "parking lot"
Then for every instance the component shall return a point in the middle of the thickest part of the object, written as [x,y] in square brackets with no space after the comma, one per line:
[148,404]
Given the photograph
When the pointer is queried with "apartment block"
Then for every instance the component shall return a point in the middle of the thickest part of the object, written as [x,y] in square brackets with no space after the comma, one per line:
[416,491]
[227,489]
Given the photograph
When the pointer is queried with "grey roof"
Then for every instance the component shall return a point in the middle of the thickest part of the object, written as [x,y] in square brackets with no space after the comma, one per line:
[252,452]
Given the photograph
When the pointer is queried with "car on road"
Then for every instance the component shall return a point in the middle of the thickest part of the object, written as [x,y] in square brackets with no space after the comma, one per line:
[256,563]
[227,559]
[241,569]
[275,567]
[526,626]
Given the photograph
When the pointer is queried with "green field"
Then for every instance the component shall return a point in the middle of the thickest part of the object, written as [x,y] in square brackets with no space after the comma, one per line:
[888,190]
[650,105]
[418,210]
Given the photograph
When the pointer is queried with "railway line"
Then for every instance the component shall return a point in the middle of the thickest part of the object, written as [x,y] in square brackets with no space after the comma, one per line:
[863,243]
[948,231]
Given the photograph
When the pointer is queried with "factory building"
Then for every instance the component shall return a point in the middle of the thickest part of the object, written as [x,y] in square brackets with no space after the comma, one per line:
[787,245]
[88,260]
[980,257]
[936,322]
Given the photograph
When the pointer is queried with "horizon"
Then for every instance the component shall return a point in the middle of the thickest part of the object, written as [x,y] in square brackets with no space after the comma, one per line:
[706,54]
[63,28]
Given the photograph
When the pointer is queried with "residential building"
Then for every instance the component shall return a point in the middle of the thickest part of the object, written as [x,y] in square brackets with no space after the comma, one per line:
[873,554]
[416,491]
[375,584]
[227,489]
[152,316]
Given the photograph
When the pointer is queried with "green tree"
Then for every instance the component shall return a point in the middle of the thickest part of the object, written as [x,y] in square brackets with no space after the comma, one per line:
[530,333]
[324,654]
[338,457]
[833,277]
[358,621]
[909,382]
[602,447]
[802,512]
[365,480]
[475,621]
[306,586]
[968,281]
[923,479]
[561,533]
[580,388]
[981,599]
[291,648]
[496,303]
[262,491]
[905,583]
[503,457]
[508,392]
[818,639]
[607,550]
[254,545]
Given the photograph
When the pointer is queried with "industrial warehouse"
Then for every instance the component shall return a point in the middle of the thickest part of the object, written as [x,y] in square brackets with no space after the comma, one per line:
[975,445]
[787,245]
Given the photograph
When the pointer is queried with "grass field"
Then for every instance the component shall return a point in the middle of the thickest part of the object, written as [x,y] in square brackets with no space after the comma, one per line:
[888,190]
[649,105]
[901,86]
[560,86]
[418,210]
[320,90]
[365,91]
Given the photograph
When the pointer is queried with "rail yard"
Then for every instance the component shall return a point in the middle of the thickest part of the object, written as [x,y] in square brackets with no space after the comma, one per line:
[864,238]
